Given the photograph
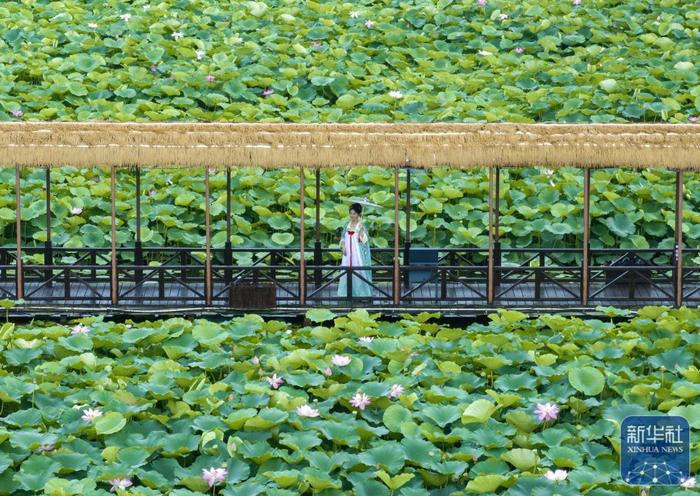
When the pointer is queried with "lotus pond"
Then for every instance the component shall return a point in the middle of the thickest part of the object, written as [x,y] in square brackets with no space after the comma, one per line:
[539,207]
[283,60]
[352,404]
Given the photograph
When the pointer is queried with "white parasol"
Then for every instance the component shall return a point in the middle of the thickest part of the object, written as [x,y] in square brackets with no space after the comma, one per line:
[362,201]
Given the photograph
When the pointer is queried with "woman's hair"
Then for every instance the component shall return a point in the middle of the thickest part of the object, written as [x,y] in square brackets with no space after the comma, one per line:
[357,208]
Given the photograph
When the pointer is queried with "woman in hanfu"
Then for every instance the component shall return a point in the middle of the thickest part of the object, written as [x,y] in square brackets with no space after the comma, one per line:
[355,247]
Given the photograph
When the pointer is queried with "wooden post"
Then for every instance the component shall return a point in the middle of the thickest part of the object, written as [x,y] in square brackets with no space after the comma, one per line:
[228,253]
[679,238]
[497,207]
[490,279]
[397,287]
[407,238]
[497,260]
[317,245]
[18,227]
[138,248]
[586,259]
[302,240]
[113,277]
[48,248]
[207,224]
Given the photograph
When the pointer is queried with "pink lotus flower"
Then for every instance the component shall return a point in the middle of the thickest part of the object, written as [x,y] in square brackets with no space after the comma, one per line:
[577,2]
[274,381]
[547,411]
[689,482]
[482,2]
[152,192]
[214,476]
[120,483]
[693,118]
[45,448]
[396,391]
[255,360]
[519,49]
[341,360]
[327,371]
[557,475]
[307,411]
[360,400]
[17,113]
[76,210]
[153,68]
[90,414]
[268,92]
[370,23]
[211,78]
[80,329]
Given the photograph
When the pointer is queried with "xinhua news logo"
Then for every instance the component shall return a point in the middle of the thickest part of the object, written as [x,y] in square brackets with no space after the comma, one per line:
[655,450]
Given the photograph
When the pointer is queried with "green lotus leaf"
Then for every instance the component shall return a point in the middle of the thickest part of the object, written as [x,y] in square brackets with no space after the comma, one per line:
[320,315]
[282,239]
[395,482]
[522,459]
[478,411]
[389,456]
[36,471]
[110,423]
[442,415]
[588,380]
[565,457]
[486,483]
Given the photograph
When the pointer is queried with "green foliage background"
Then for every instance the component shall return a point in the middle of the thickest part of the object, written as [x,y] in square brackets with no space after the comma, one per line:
[601,61]
[630,209]
[179,396]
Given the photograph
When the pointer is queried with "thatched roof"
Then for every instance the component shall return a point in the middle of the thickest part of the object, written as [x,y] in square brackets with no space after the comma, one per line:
[344,145]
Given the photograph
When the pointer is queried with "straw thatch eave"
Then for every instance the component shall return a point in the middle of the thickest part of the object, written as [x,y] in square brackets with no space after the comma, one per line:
[271,145]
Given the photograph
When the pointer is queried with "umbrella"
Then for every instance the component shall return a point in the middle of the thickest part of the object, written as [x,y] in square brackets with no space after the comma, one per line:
[362,201]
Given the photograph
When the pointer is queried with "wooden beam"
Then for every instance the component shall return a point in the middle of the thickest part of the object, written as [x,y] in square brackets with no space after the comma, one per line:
[302,239]
[397,286]
[207,224]
[18,227]
[114,275]
[490,277]
[586,258]
[679,238]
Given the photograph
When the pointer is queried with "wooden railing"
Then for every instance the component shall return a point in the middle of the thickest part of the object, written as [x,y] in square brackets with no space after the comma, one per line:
[522,277]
